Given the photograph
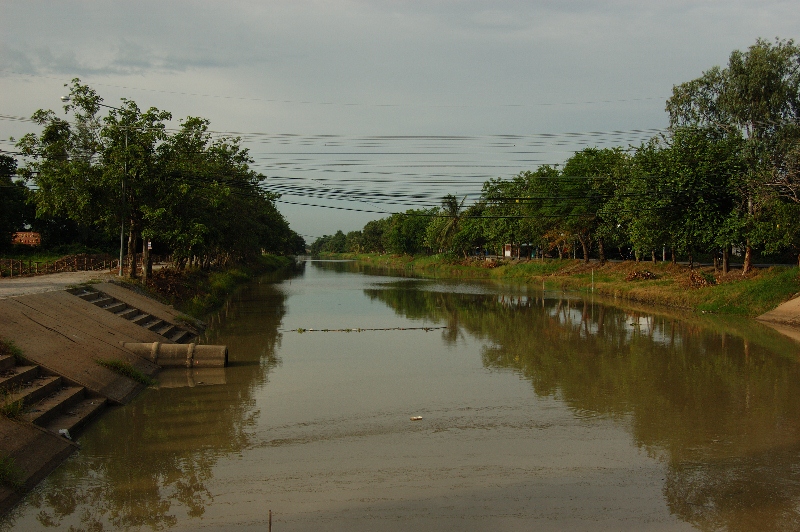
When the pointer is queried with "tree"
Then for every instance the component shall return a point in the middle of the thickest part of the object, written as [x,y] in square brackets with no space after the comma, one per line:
[354,242]
[683,194]
[588,182]
[756,97]
[97,171]
[445,225]
[405,232]
[14,210]
[372,236]
[194,194]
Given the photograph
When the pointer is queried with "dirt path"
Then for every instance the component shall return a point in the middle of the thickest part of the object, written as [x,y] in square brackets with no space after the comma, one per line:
[20,286]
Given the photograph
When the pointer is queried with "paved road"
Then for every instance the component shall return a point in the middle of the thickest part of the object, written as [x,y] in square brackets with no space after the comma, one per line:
[19,286]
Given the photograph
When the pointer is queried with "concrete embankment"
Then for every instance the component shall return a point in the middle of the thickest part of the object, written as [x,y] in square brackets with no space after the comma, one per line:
[70,341]
[785,318]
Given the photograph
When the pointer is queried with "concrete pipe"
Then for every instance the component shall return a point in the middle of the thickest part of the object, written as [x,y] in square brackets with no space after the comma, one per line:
[181,355]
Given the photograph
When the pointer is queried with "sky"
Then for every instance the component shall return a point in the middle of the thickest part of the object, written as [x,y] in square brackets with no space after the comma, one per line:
[357,109]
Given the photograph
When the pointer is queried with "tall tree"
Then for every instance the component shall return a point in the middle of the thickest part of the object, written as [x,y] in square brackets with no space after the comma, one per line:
[14,209]
[756,97]
[588,182]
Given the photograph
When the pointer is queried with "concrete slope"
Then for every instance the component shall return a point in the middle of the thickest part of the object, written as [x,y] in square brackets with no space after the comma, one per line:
[147,304]
[67,335]
[785,318]
[34,453]
[787,313]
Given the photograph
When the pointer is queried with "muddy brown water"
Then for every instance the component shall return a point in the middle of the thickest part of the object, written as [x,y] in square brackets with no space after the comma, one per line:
[540,411]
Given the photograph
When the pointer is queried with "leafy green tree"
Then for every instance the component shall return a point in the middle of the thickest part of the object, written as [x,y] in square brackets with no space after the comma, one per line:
[97,171]
[684,192]
[336,243]
[372,236]
[405,233]
[15,212]
[756,97]
[471,235]
[354,242]
[588,182]
[503,212]
[195,195]
[442,228]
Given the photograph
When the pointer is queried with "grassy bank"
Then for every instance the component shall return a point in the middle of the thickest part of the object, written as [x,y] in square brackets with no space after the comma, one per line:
[660,283]
[197,292]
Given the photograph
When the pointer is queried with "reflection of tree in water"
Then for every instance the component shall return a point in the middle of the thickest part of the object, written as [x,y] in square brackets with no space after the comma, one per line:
[149,458]
[738,493]
[717,401]
[351,266]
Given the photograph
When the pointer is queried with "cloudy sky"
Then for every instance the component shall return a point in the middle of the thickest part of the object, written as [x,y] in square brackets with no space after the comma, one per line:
[379,106]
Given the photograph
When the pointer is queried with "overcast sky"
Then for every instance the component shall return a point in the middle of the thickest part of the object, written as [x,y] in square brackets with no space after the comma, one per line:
[453,78]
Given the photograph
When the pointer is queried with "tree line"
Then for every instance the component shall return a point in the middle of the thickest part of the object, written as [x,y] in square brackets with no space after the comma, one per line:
[723,178]
[190,194]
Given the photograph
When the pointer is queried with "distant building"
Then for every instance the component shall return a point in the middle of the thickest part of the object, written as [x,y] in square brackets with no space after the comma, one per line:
[27,238]
[524,251]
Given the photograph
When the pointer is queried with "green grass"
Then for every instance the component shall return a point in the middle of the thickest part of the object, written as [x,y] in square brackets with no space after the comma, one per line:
[10,409]
[733,294]
[10,475]
[753,296]
[127,370]
[7,347]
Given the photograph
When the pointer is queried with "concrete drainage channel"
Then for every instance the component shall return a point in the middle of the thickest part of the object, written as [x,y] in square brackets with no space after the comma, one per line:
[169,331]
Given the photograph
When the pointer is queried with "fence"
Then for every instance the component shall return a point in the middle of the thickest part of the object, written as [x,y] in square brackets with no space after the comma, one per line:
[19,268]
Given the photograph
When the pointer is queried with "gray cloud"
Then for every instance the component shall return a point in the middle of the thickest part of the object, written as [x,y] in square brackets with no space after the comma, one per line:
[381,66]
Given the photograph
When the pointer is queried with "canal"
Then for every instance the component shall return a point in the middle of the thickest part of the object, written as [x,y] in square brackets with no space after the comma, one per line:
[539,410]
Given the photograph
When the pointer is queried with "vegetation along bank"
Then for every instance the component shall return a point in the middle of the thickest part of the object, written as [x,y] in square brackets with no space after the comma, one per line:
[700,289]
[723,181]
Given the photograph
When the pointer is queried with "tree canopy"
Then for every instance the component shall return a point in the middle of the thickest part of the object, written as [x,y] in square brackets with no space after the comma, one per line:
[724,177]
[189,193]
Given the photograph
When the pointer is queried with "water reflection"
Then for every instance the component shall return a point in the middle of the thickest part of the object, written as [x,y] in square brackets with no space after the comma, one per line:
[711,404]
[147,464]
[718,400]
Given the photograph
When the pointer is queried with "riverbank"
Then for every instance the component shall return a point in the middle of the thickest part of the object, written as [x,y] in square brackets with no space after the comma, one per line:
[66,359]
[700,289]
[197,292]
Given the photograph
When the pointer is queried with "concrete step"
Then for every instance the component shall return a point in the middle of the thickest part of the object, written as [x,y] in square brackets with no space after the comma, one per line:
[7,363]
[17,377]
[88,295]
[167,330]
[103,301]
[54,405]
[116,307]
[77,415]
[181,336]
[153,325]
[32,391]
[142,319]
[128,313]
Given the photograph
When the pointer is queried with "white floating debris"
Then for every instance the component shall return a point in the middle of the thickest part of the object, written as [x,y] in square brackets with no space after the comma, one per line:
[416,418]
[65,433]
